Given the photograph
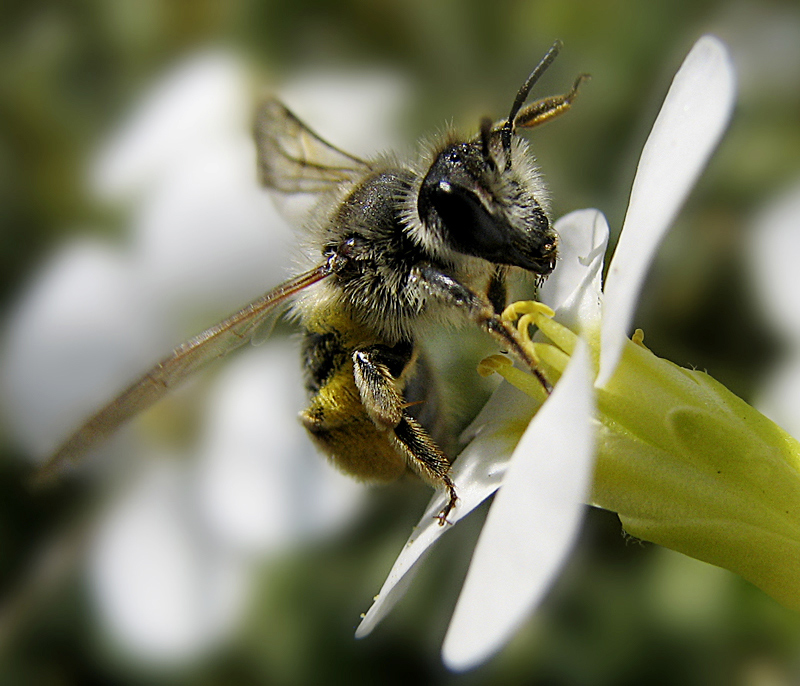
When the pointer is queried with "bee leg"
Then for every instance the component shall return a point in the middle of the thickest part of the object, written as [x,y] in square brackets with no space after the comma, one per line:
[427,460]
[376,370]
[449,290]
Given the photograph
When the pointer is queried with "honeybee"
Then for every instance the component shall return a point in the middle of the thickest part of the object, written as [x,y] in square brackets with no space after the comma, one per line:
[398,244]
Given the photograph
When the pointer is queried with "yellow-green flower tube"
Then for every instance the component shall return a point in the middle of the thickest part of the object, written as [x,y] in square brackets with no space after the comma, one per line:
[687,464]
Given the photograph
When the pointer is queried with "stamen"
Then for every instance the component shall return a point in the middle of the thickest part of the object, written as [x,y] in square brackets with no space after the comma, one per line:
[525,382]
[556,357]
[512,312]
[523,326]
[560,335]
[552,356]
[539,314]
[494,363]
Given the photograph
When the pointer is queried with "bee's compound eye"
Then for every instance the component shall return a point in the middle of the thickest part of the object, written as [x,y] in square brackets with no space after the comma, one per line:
[466,223]
[472,227]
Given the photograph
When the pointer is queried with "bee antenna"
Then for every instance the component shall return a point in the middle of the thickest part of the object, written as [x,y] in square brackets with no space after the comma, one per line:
[522,94]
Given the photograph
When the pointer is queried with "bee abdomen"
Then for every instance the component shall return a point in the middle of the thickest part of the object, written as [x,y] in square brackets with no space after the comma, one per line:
[322,354]
[341,428]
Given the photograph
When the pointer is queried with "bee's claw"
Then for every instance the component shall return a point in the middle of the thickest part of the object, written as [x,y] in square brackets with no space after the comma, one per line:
[451,503]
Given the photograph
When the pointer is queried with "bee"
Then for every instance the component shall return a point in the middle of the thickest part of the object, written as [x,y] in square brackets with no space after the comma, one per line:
[398,245]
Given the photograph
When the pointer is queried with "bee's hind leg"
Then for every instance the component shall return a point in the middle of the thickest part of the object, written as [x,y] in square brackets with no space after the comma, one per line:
[426,459]
[376,370]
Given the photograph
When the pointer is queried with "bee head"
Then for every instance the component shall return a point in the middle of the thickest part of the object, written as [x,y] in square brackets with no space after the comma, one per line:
[478,205]
[484,197]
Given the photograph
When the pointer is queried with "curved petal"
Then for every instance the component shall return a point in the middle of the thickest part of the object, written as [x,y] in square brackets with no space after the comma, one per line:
[573,289]
[477,474]
[688,127]
[532,524]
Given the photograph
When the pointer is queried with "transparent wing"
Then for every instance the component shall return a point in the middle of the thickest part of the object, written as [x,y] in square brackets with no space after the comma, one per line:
[181,363]
[294,159]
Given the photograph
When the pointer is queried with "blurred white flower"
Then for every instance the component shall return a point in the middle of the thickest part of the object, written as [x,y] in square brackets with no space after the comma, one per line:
[166,588]
[774,253]
[172,559]
[543,467]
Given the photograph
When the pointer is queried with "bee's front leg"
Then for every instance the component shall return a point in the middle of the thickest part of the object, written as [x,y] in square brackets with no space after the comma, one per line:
[446,289]
[376,370]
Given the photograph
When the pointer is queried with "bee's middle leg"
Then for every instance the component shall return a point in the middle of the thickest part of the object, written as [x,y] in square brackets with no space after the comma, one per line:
[376,370]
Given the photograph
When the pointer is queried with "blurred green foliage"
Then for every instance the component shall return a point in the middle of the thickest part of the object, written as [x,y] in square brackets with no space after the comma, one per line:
[623,613]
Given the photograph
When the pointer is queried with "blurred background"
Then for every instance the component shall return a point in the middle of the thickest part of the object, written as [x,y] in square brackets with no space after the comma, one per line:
[207,544]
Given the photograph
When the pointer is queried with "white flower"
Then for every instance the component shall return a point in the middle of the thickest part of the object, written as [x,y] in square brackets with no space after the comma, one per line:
[171,560]
[543,466]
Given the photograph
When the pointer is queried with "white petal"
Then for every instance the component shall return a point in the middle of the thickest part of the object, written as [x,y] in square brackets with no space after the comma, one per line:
[774,253]
[689,125]
[165,590]
[477,474]
[573,289]
[532,524]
